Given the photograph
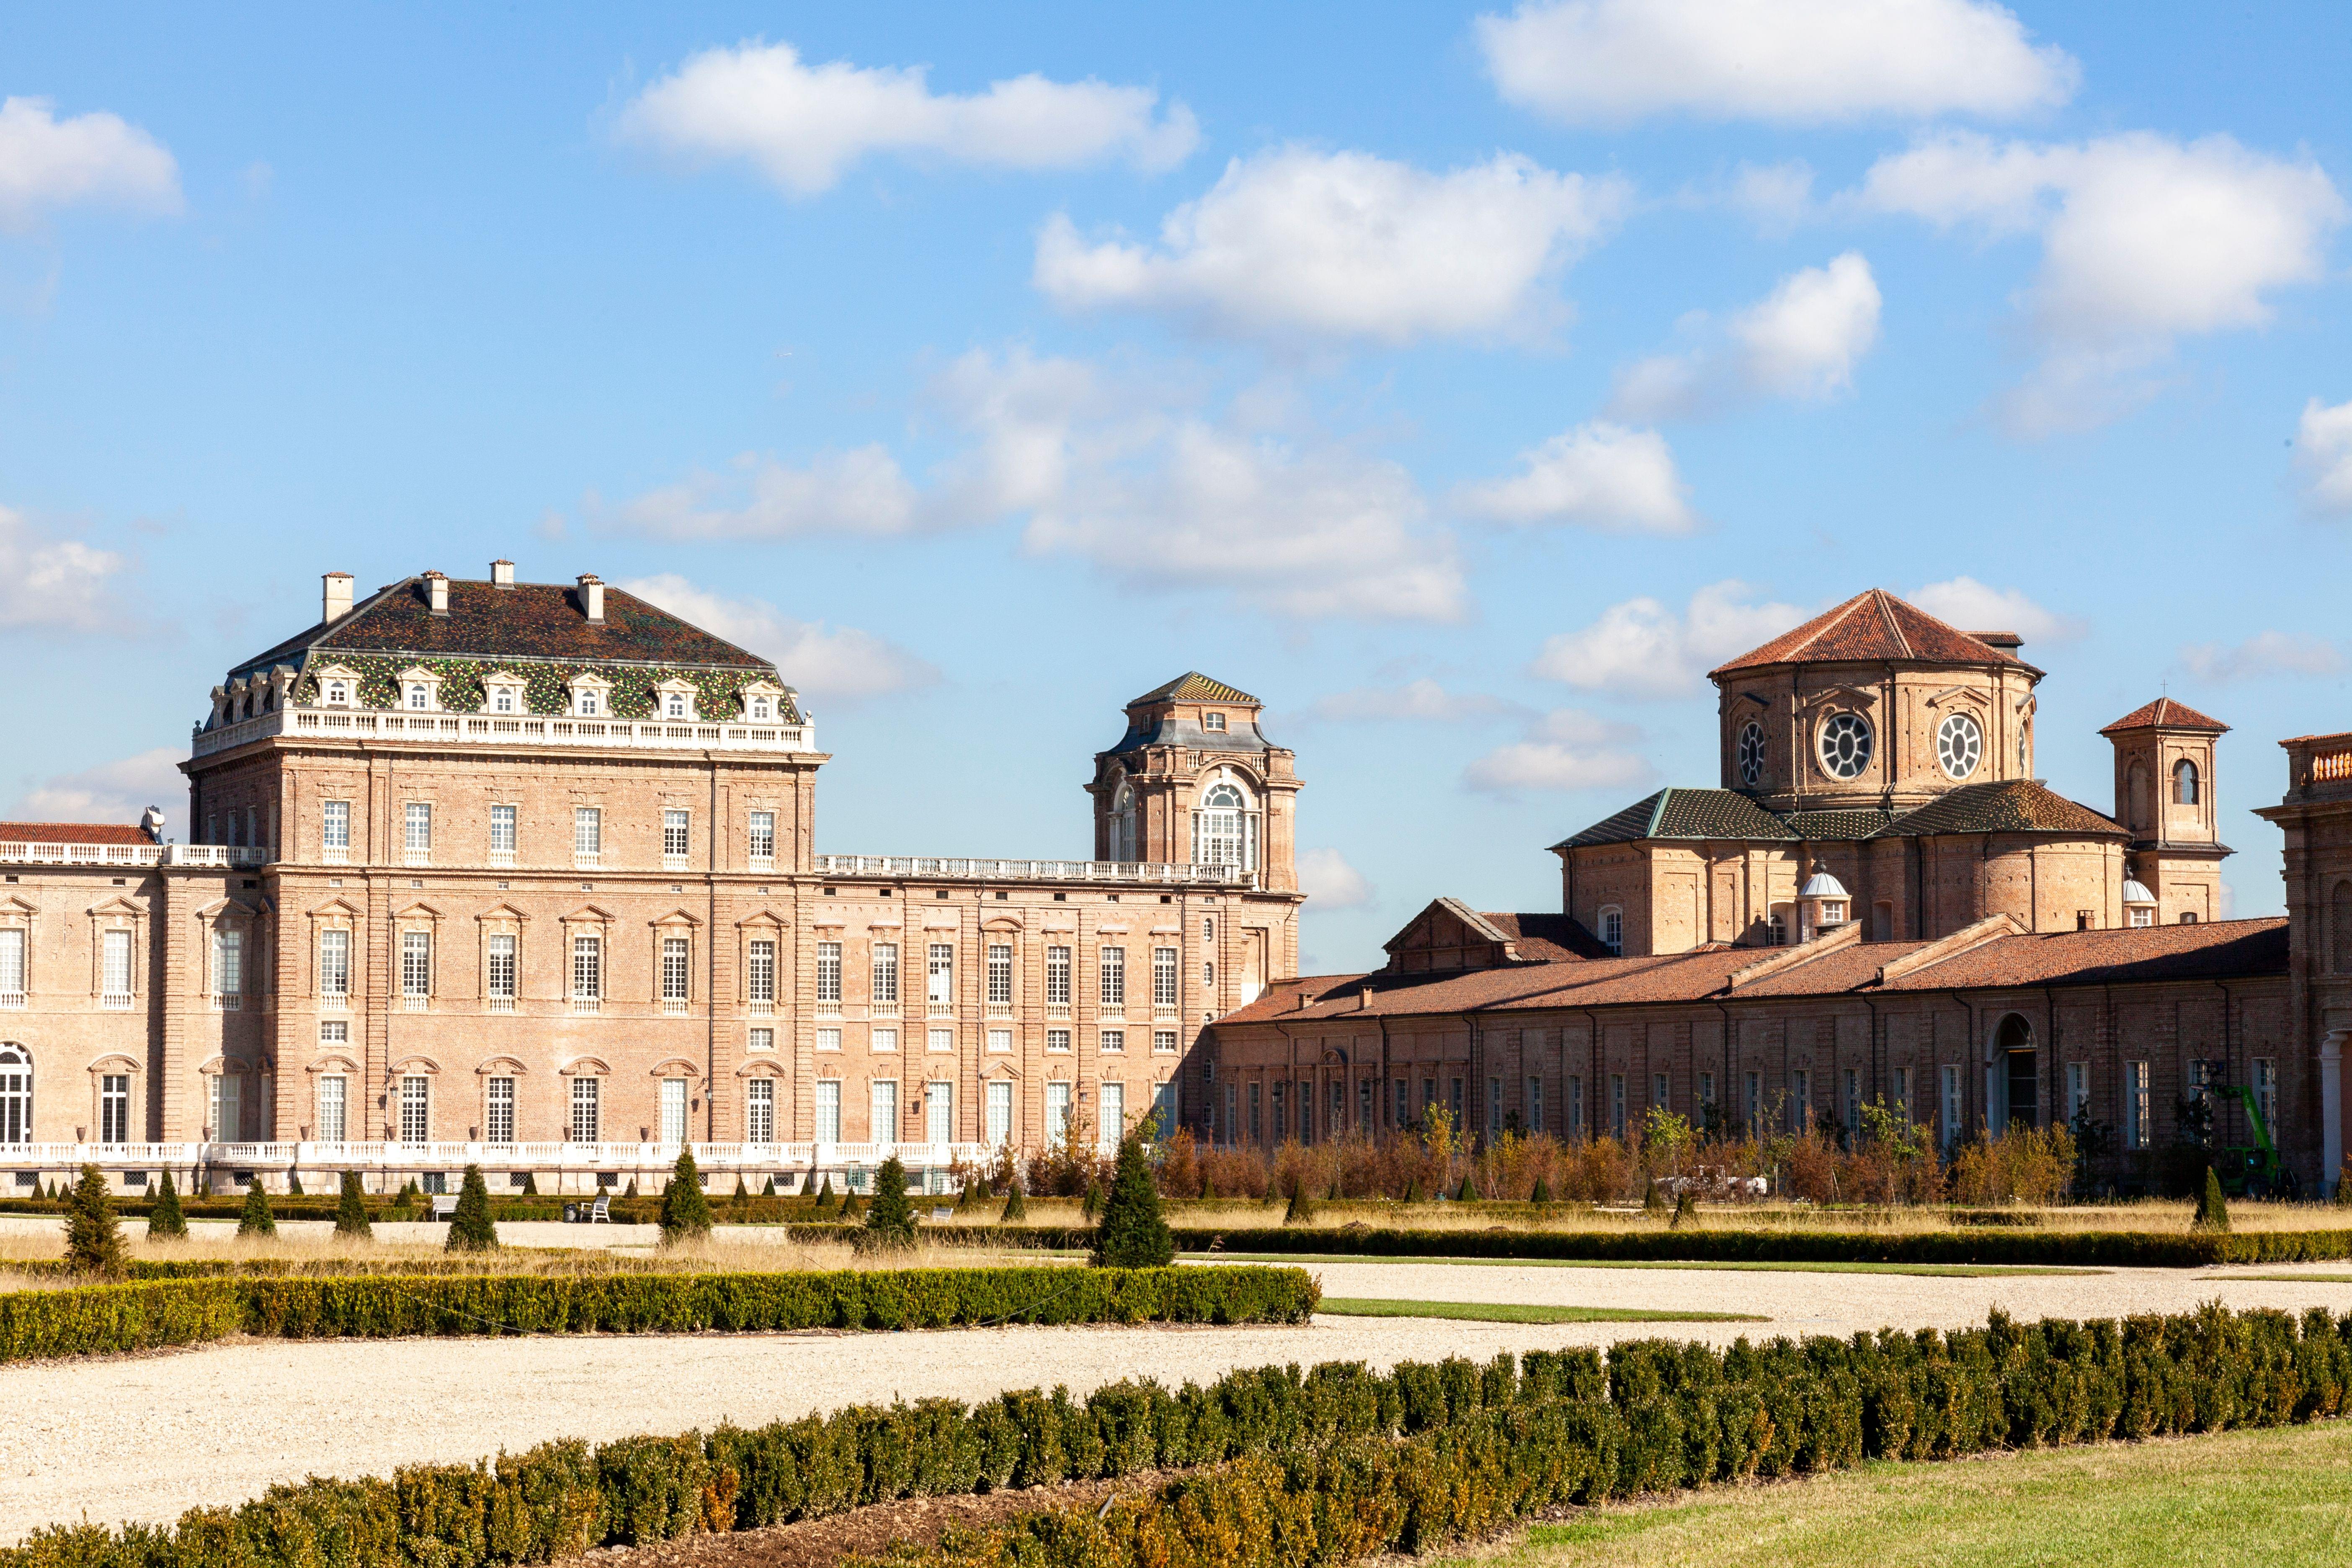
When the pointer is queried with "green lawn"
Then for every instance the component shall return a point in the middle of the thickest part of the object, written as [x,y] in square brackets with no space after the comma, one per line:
[1516,1312]
[2273,1498]
[1946,1270]
[2294,1278]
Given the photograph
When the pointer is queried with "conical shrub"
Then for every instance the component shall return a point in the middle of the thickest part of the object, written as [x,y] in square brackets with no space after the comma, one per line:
[685,1211]
[531,1184]
[2212,1209]
[470,1229]
[1016,1205]
[850,1209]
[825,1206]
[93,1235]
[967,1196]
[1091,1205]
[1542,1194]
[890,1223]
[1654,1199]
[1302,1207]
[1134,1233]
[1413,1189]
[255,1218]
[1686,1214]
[293,1183]
[167,1222]
[1461,1193]
[350,1210]
[769,1190]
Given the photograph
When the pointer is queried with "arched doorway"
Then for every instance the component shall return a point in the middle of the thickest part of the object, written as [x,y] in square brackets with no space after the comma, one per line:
[2013,1065]
[15,1094]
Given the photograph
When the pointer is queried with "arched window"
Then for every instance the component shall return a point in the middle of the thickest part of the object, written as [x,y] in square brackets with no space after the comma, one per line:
[2339,928]
[1613,928]
[1123,838]
[2184,782]
[15,1095]
[1224,834]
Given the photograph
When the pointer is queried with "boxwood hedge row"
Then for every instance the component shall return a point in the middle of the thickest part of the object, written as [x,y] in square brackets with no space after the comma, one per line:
[1318,1467]
[98,1319]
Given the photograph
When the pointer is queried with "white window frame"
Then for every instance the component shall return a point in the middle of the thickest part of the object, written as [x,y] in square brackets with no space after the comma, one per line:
[1000,978]
[416,832]
[938,977]
[882,1111]
[505,831]
[416,1108]
[334,1108]
[939,1041]
[415,970]
[760,976]
[1163,1042]
[760,1110]
[1111,975]
[759,840]
[677,837]
[499,1110]
[828,976]
[587,972]
[335,968]
[1112,1042]
[335,832]
[586,1124]
[828,1111]
[1000,1042]
[1057,980]
[504,961]
[882,977]
[677,974]
[1057,1113]
[118,967]
[1612,928]
[2139,1103]
[1164,977]
[998,1129]
[673,1127]
[587,837]
[229,969]
[114,1107]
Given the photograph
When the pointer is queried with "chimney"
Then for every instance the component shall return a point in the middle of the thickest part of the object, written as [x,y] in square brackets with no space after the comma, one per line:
[335,596]
[436,592]
[592,598]
[2007,642]
[502,574]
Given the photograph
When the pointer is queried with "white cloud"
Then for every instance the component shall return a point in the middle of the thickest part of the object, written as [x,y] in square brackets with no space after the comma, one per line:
[1330,883]
[1642,648]
[112,792]
[2323,450]
[2262,656]
[803,126]
[843,662]
[1345,245]
[1788,62]
[1802,340]
[1776,197]
[60,584]
[860,492]
[1423,699]
[94,160]
[2143,239]
[1972,607]
[1600,475]
[1565,749]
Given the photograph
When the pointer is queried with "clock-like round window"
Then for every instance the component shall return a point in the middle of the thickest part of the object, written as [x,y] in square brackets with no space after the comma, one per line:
[1845,745]
[1751,754]
[1959,744]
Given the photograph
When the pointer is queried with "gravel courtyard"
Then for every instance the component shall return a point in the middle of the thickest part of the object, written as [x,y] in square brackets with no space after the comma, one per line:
[144,1437]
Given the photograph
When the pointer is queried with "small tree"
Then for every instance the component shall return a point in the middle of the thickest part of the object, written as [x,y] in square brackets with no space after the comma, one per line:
[2212,1209]
[1542,1194]
[739,1204]
[1413,1189]
[293,1183]
[350,1210]
[968,1196]
[93,1237]
[890,1223]
[470,1229]
[684,1212]
[631,1190]
[166,1222]
[1133,1233]
[1686,1214]
[256,1218]
[531,1184]
[824,1205]
[1654,1199]
[1016,1205]
[1461,1193]
[2344,1186]
[852,1210]
[1302,1207]
[1091,1205]
[769,1190]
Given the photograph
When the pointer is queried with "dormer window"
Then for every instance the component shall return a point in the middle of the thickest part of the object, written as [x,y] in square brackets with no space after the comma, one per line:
[338,685]
[591,695]
[675,699]
[502,692]
[760,708]
[419,689]
[585,704]
[763,701]
[420,696]
[1215,721]
[502,699]
[674,707]
[339,693]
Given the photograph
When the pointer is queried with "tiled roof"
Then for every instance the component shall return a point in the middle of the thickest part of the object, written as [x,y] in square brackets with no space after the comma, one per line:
[1545,938]
[2164,713]
[1683,814]
[530,620]
[72,833]
[1193,687]
[1835,824]
[2214,949]
[2005,805]
[1874,625]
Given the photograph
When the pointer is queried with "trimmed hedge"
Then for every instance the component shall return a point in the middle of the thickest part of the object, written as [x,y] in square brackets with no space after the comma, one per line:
[1320,1467]
[105,1318]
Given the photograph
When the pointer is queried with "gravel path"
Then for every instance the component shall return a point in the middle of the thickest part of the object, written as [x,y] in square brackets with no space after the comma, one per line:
[145,1437]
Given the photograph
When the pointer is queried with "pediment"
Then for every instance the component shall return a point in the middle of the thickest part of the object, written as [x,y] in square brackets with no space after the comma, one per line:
[1839,697]
[335,907]
[674,1067]
[337,1062]
[501,1067]
[1750,697]
[593,1067]
[502,911]
[1961,696]
[117,905]
[589,914]
[228,908]
[412,1064]
[419,910]
[113,1062]
[677,917]
[1002,923]
[774,921]
[759,1068]
[13,908]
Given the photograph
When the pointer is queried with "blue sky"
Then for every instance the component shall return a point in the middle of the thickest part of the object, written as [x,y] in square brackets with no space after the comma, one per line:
[1460,382]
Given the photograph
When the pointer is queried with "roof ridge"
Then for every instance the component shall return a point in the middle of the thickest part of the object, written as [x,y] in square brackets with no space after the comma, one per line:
[1881,597]
[1846,935]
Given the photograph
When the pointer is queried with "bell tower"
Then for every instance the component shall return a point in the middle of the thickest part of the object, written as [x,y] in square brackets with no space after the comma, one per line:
[2165,789]
[1195,780]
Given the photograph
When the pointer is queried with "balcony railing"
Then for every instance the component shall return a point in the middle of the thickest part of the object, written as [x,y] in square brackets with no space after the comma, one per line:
[275,1158]
[482,729]
[33,852]
[949,869]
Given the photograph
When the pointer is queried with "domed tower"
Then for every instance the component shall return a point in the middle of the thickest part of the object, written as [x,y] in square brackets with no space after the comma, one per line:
[2165,799]
[1194,780]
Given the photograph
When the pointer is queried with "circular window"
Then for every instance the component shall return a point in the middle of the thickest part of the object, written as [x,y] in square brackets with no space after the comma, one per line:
[1845,745]
[1959,743]
[1751,754]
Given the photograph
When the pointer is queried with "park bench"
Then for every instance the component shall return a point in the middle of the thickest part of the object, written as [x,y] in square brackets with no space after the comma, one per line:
[444,1206]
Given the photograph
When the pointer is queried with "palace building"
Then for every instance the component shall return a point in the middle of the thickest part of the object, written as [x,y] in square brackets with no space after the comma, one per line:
[525,875]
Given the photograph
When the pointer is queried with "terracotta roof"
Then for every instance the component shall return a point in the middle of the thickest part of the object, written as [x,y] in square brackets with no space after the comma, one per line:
[2164,713]
[1872,625]
[1545,938]
[1193,687]
[2005,805]
[1855,824]
[1683,814]
[72,833]
[530,620]
[2214,949]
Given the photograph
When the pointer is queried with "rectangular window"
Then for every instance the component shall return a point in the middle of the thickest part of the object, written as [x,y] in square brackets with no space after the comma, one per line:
[1953,1108]
[1000,1042]
[1000,1112]
[2078,1090]
[1114,1117]
[1057,1039]
[335,829]
[1231,1133]
[675,970]
[885,977]
[763,839]
[762,1039]
[12,968]
[2266,1093]
[673,1110]
[1000,975]
[334,1032]
[502,971]
[939,974]
[1494,1107]
[939,1040]
[1403,1101]
[1113,971]
[1852,1116]
[1281,1117]
[884,1039]
[228,966]
[828,1039]
[1617,1106]
[114,967]
[1800,1100]
[502,830]
[2137,1132]
[1706,1092]
[587,833]
[1903,1093]
[939,1111]
[1057,1113]
[585,1105]
[675,835]
[1755,1105]
[760,1110]
[1163,977]
[1535,1105]
[828,1111]
[417,823]
[1256,1113]
[228,1122]
[760,976]
[828,974]
[1306,1112]
[415,964]
[1057,977]
[1114,1040]
[499,1110]
[1455,1102]
[587,968]
[1163,1042]
[114,1107]
[416,1110]
[1576,1105]
[332,1123]
[885,1125]
[1659,1091]
[1163,1109]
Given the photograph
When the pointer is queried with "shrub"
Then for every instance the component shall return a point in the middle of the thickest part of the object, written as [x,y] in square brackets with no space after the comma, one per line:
[1542,1192]
[93,1235]
[293,1183]
[1133,1233]
[1461,1193]
[631,1190]
[350,1210]
[850,1209]
[890,1223]
[1016,1205]
[1302,1207]
[684,1212]
[1091,1205]
[531,1184]
[825,1204]
[1412,1190]
[2212,1209]
[1653,1198]
[166,1220]
[470,1229]
[255,1218]
[769,1190]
